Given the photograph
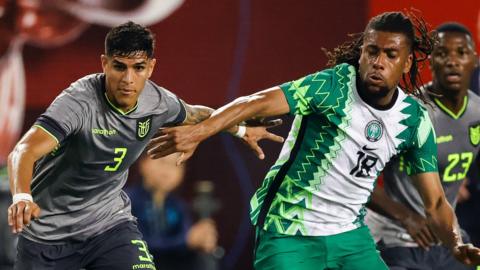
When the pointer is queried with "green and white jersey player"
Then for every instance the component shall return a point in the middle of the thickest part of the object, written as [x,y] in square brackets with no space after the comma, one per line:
[351,120]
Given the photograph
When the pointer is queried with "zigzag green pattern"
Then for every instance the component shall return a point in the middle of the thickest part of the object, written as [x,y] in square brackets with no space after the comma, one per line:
[331,105]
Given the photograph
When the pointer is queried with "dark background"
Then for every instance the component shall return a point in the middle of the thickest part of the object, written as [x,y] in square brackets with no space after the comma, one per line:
[209,52]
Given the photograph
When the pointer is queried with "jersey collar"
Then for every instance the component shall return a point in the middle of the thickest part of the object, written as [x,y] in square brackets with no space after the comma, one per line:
[450,113]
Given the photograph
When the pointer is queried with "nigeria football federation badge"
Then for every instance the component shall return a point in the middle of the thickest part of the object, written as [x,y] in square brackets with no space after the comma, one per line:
[143,127]
[474,133]
[374,131]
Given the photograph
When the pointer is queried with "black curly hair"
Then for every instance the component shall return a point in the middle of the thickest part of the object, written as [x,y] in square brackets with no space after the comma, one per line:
[415,29]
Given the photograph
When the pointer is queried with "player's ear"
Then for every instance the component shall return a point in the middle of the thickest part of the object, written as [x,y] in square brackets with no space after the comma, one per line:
[408,64]
[151,66]
[104,60]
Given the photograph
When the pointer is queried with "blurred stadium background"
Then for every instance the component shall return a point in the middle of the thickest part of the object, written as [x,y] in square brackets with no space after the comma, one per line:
[208,52]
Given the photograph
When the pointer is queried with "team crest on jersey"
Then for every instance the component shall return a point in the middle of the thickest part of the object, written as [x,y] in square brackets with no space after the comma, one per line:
[474,133]
[374,130]
[143,127]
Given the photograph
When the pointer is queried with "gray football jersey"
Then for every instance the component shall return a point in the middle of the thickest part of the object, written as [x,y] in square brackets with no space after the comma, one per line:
[458,141]
[78,186]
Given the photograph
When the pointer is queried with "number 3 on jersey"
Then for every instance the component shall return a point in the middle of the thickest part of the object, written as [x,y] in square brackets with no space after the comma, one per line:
[121,151]
[465,159]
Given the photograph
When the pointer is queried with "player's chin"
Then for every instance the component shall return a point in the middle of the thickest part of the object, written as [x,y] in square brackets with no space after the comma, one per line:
[377,90]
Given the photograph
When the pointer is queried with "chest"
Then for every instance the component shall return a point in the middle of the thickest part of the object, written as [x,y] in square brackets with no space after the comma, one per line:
[111,142]
[458,142]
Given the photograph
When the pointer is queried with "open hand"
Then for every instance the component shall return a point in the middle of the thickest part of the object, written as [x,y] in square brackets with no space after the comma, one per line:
[183,139]
[254,134]
[416,226]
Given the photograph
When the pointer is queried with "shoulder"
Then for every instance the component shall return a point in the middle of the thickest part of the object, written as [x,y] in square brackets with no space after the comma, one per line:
[413,108]
[86,89]
[324,80]
[82,93]
[156,98]
[474,99]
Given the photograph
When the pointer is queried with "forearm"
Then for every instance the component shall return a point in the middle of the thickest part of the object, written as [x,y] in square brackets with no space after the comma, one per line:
[443,221]
[262,104]
[20,168]
[199,113]
[384,205]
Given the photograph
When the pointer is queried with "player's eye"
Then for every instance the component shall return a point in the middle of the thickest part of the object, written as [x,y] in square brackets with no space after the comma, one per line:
[119,67]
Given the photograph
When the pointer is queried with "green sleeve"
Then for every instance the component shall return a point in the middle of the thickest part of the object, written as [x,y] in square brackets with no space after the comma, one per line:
[320,91]
[422,155]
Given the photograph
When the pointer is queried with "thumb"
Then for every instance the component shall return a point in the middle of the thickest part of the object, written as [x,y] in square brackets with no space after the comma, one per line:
[36,212]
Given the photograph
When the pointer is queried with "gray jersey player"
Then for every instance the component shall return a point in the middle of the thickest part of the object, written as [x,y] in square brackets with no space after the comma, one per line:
[399,224]
[68,171]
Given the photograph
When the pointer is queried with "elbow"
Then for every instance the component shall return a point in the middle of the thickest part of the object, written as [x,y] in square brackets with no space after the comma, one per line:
[256,104]
[437,204]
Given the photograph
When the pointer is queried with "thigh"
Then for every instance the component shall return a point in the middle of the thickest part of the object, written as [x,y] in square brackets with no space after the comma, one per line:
[354,250]
[119,248]
[441,258]
[32,255]
[405,258]
[284,252]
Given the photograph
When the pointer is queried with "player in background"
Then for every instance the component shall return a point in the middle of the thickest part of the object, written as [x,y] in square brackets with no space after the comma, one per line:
[399,223]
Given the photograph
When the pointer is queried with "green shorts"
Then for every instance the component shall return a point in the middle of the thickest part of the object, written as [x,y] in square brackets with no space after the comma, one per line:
[352,250]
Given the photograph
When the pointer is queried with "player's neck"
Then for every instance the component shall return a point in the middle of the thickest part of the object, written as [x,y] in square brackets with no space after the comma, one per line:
[454,101]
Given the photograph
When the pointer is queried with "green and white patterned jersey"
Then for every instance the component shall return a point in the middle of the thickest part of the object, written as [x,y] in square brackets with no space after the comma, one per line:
[334,152]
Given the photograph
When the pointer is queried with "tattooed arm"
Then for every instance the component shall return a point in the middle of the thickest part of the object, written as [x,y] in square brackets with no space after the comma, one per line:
[255,131]
[196,114]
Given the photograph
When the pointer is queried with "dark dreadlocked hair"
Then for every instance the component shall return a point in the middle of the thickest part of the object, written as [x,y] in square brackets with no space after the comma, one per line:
[414,28]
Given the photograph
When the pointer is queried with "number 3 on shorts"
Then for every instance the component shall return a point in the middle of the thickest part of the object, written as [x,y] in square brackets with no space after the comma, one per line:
[117,160]
[143,248]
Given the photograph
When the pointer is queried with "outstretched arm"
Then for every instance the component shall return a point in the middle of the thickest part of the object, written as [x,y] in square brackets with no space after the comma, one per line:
[270,102]
[441,217]
[35,144]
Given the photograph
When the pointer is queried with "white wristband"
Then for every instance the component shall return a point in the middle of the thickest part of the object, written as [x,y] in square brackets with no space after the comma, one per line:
[22,197]
[241,131]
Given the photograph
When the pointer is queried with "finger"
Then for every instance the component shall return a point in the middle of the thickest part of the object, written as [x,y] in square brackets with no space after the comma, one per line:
[163,153]
[263,123]
[14,218]
[434,236]
[36,212]
[159,139]
[258,150]
[428,236]
[184,157]
[158,147]
[420,242]
[162,131]
[27,214]
[274,137]
[19,216]
[424,239]
[10,216]
[273,123]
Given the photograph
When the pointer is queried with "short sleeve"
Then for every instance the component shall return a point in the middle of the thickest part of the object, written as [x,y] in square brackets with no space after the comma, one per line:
[63,117]
[421,157]
[318,91]
[176,108]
